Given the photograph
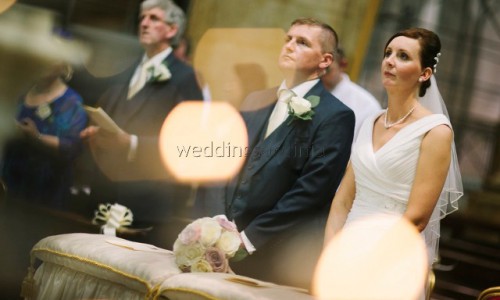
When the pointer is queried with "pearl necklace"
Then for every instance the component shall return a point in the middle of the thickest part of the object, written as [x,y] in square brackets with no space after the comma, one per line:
[401,120]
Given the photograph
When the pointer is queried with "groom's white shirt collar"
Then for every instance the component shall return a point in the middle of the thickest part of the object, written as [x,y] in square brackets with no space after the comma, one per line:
[158,58]
[301,89]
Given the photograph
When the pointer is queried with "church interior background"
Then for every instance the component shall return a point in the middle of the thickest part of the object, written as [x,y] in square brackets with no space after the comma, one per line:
[470,35]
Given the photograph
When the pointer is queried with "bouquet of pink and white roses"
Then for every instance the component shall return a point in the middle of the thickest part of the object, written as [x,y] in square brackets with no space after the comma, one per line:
[206,245]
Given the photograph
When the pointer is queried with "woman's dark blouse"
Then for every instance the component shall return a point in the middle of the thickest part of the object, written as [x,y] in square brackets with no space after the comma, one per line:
[36,172]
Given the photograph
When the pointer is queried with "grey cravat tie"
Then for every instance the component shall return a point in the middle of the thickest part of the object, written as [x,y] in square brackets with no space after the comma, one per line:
[140,82]
[280,111]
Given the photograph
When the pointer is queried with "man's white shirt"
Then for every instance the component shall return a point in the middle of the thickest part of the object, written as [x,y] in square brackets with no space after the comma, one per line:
[356,98]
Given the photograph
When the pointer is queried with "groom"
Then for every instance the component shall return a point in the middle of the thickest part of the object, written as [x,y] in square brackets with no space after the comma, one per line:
[282,196]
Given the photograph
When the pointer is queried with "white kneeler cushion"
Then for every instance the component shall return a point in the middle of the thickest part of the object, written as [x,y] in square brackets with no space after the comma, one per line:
[95,266]
[131,266]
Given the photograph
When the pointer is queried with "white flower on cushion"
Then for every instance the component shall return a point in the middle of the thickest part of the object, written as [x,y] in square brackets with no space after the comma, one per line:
[178,245]
[158,73]
[299,106]
[187,255]
[201,265]
[229,242]
[206,244]
[210,231]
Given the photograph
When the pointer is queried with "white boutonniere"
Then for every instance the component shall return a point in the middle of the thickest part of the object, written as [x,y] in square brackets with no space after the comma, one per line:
[158,73]
[301,108]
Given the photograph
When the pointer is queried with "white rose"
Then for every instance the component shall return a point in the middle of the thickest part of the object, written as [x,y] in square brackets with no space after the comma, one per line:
[300,106]
[190,234]
[210,231]
[187,255]
[178,245]
[225,223]
[229,242]
[201,265]
[163,73]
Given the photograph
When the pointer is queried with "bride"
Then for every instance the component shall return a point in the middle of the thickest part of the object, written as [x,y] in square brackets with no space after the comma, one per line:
[404,161]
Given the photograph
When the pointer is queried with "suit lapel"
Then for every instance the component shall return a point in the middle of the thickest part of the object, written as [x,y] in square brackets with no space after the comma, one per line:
[256,123]
[316,90]
[111,104]
[138,100]
[269,147]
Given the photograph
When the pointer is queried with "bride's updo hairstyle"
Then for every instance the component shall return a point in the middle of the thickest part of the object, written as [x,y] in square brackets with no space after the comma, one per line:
[430,47]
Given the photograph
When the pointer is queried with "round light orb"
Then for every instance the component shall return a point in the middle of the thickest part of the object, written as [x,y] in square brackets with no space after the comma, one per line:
[379,257]
[203,142]
[249,56]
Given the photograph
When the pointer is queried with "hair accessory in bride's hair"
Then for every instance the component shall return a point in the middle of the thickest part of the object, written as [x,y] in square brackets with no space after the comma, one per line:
[436,58]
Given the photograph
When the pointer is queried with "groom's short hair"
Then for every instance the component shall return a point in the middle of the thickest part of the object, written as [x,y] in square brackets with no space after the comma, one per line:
[329,37]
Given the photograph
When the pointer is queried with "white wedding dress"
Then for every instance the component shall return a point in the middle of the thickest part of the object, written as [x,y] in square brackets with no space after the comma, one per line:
[384,178]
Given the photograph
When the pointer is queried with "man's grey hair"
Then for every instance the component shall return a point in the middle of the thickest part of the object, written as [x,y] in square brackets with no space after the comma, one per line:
[173,15]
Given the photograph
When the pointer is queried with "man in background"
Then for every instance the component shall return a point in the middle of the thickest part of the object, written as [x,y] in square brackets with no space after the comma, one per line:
[351,94]
[139,106]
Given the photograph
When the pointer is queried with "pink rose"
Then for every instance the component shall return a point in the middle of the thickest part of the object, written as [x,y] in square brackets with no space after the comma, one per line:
[225,223]
[217,259]
[190,234]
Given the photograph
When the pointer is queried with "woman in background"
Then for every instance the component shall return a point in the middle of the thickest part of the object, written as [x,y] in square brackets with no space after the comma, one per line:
[37,163]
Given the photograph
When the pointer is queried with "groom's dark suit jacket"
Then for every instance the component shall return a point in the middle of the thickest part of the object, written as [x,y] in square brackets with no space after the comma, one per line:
[285,189]
[142,185]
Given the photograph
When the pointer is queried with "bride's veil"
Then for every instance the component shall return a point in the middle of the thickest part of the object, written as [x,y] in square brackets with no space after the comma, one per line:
[452,189]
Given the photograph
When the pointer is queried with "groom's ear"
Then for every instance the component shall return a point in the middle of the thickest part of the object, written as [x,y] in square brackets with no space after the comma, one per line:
[326,61]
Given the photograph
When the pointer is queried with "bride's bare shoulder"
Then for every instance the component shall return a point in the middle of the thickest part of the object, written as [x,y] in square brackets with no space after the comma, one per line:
[439,135]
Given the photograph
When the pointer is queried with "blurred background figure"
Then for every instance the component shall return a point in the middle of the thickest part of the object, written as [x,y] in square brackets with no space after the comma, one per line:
[32,78]
[130,160]
[337,81]
[37,163]
[182,50]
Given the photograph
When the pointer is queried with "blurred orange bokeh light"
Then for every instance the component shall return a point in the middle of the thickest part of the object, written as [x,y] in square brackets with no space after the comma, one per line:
[380,257]
[203,141]
[5,4]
